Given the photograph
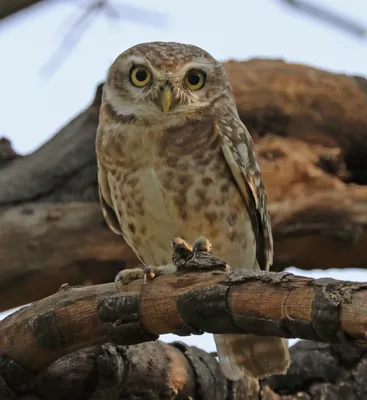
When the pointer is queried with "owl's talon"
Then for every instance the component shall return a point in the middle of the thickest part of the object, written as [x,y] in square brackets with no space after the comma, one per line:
[178,245]
[149,273]
[126,276]
[197,257]
[202,244]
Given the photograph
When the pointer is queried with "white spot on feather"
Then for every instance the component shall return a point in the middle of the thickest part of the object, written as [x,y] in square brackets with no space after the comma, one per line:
[243,152]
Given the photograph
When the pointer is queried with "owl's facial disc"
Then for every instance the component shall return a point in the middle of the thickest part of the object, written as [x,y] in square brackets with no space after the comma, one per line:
[155,87]
[169,88]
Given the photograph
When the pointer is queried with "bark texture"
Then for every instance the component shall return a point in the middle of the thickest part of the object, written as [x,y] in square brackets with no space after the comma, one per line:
[278,304]
[177,371]
[69,345]
[163,371]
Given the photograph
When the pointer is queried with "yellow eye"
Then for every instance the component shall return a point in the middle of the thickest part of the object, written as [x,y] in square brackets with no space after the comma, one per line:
[195,79]
[140,76]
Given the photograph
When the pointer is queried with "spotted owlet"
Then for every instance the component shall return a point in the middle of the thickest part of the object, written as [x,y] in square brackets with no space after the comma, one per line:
[174,159]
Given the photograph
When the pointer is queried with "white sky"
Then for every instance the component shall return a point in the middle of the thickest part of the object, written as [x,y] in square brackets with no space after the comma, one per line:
[34,107]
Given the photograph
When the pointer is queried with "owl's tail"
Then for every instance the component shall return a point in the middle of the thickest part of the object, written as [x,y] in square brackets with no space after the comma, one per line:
[260,356]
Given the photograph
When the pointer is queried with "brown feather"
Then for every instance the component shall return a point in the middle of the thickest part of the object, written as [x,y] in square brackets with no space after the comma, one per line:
[240,156]
[106,200]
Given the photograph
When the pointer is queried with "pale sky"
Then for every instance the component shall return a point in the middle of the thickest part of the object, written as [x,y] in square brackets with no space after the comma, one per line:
[34,107]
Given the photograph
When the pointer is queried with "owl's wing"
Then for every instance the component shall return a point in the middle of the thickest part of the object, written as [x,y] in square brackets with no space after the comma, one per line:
[239,153]
[106,200]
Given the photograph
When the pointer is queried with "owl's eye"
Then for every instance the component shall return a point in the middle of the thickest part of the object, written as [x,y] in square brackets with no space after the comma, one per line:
[195,79]
[140,76]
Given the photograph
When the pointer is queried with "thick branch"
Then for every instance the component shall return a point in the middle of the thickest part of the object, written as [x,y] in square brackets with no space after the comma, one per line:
[62,242]
[165,371]
[150,371]
[321,371]
[111,371]
[276,304]
[332,223]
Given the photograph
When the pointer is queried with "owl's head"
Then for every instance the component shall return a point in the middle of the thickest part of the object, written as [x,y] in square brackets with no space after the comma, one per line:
[164,80]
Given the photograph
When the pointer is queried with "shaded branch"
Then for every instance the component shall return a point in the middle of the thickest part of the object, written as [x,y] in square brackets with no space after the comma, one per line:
[266,304]
[10,7]
[333,223]
[151,371]
[321,371]
[60,242]
[165,371]
[329,16]
[7,153]
[110,371]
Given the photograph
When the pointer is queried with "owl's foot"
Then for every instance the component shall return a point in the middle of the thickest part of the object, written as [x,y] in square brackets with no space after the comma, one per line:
[202,244]
[151,272]
[126,276]
[196,257]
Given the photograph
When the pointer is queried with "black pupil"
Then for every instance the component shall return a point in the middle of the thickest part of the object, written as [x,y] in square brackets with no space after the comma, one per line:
[141,75]
[194,78]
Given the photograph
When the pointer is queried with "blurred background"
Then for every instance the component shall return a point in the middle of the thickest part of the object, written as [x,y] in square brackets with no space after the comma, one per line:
[55,52]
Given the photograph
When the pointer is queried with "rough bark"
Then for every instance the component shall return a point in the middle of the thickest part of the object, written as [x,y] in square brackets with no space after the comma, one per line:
[279,304]
[327,229]
[312,150]
[177,371]
[321,371]
[169,371]
[10,7]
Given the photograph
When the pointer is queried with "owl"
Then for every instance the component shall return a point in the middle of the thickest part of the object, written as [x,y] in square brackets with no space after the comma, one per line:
[175,160]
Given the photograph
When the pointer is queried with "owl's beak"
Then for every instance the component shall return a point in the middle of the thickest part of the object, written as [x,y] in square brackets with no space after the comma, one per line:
[166,99]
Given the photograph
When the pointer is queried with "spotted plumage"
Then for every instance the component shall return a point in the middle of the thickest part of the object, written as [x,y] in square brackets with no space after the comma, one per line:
[174,159]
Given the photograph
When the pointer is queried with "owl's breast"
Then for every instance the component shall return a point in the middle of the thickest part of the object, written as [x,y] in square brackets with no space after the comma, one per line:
[181,187]
[204,199]
[186,197]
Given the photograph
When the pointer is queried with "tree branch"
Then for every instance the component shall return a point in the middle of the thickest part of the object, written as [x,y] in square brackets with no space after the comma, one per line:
[61,242]
[321,371]
[108,371]
[266,304]
[10,7]
[169,371]
[332,223]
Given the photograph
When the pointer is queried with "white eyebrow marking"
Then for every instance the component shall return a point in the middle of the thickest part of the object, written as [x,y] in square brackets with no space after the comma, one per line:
[138,60]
